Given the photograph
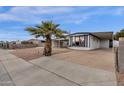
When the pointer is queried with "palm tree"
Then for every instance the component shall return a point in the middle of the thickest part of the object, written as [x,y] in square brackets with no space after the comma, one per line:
[46,29]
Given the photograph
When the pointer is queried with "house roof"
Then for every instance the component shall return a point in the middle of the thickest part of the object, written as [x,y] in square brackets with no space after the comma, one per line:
[103,35]
[100,35]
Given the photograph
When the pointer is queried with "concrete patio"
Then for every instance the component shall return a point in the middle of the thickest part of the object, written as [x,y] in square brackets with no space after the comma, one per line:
[55,70]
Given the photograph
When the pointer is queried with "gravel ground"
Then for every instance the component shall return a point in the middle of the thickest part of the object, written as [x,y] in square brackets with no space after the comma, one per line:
[101,58]
[33,53]
[120,79]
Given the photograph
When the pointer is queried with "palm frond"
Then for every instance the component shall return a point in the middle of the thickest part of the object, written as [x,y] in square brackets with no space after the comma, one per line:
[46,28]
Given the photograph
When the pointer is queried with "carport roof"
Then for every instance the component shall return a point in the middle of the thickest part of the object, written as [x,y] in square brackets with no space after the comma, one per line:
[103,35]
[100,35]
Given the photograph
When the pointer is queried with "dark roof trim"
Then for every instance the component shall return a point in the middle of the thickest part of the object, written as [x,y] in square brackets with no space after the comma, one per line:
[87,33]
[90,33]
[79,33]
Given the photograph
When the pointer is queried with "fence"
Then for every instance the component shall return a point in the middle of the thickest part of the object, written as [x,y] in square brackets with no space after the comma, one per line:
[116,58]
[119,62]
[17,46]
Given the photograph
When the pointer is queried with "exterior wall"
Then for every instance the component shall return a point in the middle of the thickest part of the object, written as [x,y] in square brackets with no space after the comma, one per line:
[53,43]
[37,42]
[94,42]
[60,43]
[104,44]
[85,47]
[97,43]
[18,42]
[80,48]
[121,56]
[115,43]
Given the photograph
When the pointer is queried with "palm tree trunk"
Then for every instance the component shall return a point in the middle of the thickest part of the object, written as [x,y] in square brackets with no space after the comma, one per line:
[48,47]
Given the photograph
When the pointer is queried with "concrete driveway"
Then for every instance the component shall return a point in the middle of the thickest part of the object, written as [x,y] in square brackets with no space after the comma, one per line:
[70,68]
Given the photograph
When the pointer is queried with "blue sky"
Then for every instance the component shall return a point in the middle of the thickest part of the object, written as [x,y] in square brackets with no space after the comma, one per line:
[13,20]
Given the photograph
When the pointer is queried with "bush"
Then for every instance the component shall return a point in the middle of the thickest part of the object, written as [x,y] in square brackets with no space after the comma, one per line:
[119,34]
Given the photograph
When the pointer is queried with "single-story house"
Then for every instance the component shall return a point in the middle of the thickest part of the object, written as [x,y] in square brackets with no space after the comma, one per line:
[86,40]
[36,42]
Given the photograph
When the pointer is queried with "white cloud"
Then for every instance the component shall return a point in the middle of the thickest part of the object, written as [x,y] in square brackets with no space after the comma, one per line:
[65,14]
[32,13]
[79,18]
[41,10]
[8,17]
[36,14]
[120,11]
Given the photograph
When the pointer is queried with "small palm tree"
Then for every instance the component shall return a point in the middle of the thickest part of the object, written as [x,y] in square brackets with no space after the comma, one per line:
[46,29]
[119,34]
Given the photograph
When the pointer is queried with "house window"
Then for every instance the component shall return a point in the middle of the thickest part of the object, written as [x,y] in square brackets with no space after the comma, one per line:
[79,41]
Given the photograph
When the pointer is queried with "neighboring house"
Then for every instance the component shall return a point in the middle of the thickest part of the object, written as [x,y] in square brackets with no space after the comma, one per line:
[35,42]
[42,43]
[18,42]
[87,40]
[24,44]
[4,45]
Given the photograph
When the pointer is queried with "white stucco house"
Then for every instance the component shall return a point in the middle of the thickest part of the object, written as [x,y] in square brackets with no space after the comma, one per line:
[87,40]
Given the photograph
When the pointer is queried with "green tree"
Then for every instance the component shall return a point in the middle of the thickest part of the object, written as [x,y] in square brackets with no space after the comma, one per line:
[119,34]
[46,29]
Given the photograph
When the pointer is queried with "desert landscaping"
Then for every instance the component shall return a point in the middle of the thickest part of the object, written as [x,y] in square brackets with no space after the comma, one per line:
[99,58]
[64,67]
